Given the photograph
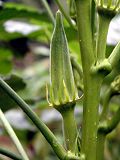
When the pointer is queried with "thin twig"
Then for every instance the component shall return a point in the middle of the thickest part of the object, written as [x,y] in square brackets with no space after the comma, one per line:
[13,136]
[61,7]
[45,4]
[9,154]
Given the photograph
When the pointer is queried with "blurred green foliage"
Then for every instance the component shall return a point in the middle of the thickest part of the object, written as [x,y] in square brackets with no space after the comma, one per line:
[28,75]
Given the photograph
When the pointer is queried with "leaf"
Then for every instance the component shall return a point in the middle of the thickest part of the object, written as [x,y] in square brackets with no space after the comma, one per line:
[5,61]
[15,83]
[5,67]
[14,10]
[38,77]
[17,12]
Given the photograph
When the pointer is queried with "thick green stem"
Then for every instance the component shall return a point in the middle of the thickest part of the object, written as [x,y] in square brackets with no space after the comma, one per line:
[90,118]
[92,83]
[85,34]
[70,128]
[9,154]
[102,36]
[58,149]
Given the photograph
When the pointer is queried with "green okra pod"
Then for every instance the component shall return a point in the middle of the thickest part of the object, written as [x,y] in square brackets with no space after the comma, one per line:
[62,85]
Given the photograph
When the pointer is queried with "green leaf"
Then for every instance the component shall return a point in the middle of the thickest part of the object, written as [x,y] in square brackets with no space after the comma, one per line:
[5,67]
[24,13]
[5,61]
[14,10]
[17,84]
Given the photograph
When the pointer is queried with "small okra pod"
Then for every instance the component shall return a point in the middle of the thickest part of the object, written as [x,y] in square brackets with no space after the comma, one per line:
[62,85]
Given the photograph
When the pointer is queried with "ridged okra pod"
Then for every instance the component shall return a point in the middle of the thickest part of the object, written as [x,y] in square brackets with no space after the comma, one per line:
[62,85]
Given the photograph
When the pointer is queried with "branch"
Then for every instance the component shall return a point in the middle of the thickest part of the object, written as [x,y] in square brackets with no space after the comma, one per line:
[57,147]
[109,125]
[106,99]
[9,154]
[76,66]
[45,4]
[114,58]
[65,14]
[104,22]
[13,136]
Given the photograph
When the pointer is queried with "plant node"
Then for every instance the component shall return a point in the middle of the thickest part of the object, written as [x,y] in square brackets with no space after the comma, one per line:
[102,67]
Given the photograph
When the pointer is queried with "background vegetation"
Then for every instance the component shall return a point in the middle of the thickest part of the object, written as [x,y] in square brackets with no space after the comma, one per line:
[25,34]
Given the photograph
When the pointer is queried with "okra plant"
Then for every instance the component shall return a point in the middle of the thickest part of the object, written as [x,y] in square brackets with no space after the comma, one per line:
[90,19]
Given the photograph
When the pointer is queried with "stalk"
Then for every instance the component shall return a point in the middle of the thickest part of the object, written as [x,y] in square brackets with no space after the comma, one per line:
[107,125]
[100,145]
[66,15]
[76,66]
[9,154]
[101,136]
[114,58]
[70,128]
[106,99]
[102,36]
[110,124]
[103,129]
[49,11]
[91,83]
[85,34]
[90,119]
[13,136]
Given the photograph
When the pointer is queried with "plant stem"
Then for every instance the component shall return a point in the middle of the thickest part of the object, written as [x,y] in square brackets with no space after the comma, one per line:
[114,58]
[76,66]
[58,149]
[93,18]
[104,128]
[106,100]
[90,118]
[9,154]
[91,82]
[114,121]
[85,35]
[45,4]
[66,15]
[13,136]
[102,36]
[70,128]
[109,125]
